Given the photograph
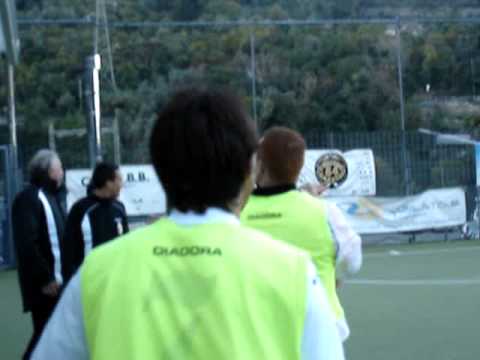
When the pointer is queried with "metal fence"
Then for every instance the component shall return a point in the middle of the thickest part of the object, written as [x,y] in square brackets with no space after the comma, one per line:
[282,69]
[406,163]
[426,165]
[390,74]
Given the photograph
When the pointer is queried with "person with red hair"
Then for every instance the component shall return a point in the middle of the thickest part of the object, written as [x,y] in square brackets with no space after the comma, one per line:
[300,219]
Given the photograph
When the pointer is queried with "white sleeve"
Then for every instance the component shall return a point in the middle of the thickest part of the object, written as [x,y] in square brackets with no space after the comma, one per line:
[349,243]
[64,335]
[320,337]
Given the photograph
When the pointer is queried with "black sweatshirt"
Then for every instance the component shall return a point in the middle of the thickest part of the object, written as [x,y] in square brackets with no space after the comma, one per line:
[92,221]
[33,240]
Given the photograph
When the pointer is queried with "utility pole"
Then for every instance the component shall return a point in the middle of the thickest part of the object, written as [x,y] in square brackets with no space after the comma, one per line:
[472,69]
[405,162]
[91,85]
[253,71]
[12,114]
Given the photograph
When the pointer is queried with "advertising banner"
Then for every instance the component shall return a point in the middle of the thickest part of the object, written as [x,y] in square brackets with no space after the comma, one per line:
[142,193]
[433,209]
[350,173]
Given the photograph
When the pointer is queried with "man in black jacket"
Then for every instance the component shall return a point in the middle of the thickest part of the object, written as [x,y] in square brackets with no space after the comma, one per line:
[38,215]
[94,219]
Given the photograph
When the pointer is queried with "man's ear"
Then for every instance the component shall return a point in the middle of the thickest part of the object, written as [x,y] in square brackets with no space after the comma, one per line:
[247,187]
[242,198]
[257,169]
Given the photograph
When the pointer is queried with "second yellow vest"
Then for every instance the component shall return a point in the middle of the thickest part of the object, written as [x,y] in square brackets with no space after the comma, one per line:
[298,219]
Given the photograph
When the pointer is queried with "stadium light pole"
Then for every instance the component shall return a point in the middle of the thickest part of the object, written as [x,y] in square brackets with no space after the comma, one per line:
[92,107]
[402,106]
[12,113]
[400,72]
[253,66]
[253,72]
[10,45]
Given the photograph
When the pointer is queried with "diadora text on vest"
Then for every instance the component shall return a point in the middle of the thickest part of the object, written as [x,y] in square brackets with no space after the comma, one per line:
[186,251]
[266,215]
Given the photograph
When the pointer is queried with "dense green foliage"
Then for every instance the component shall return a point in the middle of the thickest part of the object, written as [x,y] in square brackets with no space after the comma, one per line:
[313,78]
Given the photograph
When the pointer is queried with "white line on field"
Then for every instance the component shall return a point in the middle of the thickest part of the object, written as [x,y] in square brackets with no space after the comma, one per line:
[421,252]
[414,282]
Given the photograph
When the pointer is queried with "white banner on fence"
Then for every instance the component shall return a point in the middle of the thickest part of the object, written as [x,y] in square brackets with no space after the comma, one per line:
[360,177]
[432,209]
[142,193]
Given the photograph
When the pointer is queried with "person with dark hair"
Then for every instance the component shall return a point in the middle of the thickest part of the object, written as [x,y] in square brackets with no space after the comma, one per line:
[38,220]
[94,219]
[196,284]
[299,219]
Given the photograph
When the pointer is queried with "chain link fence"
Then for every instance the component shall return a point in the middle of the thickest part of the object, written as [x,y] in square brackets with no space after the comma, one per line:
[427,164]
[340,77]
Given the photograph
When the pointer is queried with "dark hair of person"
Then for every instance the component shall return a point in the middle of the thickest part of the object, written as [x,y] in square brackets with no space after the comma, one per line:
[282,153]
[201,147]
[102,173]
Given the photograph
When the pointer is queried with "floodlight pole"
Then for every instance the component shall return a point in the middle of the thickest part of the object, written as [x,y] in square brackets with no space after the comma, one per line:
[92,107]
[253,71]
[402,107]
[96,102]
[11,114]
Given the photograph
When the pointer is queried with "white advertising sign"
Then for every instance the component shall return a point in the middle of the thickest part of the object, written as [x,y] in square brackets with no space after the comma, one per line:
[432,209]
[359,172]
[142,193]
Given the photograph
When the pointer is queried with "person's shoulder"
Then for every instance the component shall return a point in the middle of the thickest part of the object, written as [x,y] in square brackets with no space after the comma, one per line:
[128,245]
[82,205]
[283,259]
[119,205]
[310,200]
[85,201]
[263,241]
[332,207]
[29,194]
[29,191]
[124,243]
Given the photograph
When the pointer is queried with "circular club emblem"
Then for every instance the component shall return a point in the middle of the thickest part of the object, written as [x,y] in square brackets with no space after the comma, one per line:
[331,170]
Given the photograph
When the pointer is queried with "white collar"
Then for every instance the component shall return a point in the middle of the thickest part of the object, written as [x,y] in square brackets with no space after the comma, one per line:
[212,215]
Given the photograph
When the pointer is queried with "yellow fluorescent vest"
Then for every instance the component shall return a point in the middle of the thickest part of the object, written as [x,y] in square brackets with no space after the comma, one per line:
[300,220]
[212,291]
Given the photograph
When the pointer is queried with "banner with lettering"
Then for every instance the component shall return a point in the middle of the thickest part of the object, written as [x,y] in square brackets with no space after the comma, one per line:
[142,193]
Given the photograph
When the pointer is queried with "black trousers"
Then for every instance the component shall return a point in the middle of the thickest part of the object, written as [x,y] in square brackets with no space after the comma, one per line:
[40,314]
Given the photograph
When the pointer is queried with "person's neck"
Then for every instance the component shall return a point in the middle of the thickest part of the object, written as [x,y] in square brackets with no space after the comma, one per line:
[102,194]
[268,186]
[268,182]
[50,186]
[264,180]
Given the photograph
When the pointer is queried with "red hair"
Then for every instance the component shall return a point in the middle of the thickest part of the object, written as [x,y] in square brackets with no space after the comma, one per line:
[282,153]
